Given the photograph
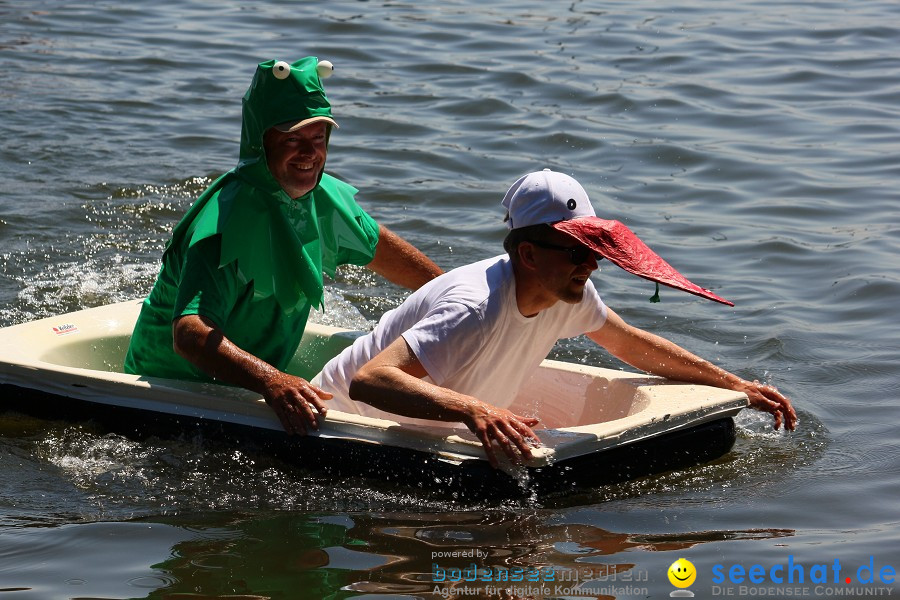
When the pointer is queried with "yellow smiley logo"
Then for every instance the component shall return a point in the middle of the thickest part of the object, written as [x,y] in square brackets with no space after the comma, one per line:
[682,573]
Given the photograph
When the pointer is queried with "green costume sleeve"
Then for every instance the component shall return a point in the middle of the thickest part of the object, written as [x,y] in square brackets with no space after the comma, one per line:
[349,234]
[205,288]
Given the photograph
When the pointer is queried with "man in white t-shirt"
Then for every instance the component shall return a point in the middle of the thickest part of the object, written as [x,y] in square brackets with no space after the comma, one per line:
[459,348]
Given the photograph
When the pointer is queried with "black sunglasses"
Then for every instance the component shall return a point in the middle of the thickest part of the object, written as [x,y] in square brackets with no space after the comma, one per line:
[577,254]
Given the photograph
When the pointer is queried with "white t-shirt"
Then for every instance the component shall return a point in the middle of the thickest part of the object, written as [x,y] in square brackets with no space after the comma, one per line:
[466,329]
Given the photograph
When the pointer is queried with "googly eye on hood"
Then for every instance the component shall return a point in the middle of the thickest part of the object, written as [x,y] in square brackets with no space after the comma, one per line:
[281,70]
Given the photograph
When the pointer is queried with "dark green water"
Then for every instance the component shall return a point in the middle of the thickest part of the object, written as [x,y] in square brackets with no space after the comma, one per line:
[752,144]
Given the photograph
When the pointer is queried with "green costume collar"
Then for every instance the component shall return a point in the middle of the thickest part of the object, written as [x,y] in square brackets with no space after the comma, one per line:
[276,241]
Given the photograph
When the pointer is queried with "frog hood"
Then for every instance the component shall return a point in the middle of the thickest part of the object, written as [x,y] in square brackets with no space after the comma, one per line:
[282,95]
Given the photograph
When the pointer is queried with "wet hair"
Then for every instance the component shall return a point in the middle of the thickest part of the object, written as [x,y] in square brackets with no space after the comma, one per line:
[524,234]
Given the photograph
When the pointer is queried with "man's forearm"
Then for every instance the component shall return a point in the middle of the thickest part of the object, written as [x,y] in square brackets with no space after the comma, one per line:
[198,340]
[659,356]
[391,390]
[664,358]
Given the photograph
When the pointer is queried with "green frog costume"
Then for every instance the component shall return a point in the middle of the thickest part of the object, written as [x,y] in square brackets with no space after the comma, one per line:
[247,255]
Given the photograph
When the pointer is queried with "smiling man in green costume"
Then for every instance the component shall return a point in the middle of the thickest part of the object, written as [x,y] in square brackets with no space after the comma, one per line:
[244,266]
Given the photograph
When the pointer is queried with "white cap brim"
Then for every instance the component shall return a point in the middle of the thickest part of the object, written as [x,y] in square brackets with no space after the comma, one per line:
[289,126]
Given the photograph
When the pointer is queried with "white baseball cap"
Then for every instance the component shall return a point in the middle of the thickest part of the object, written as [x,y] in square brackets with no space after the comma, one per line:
[545,197]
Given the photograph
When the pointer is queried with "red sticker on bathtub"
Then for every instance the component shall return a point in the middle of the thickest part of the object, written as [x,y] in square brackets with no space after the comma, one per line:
[65,329]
